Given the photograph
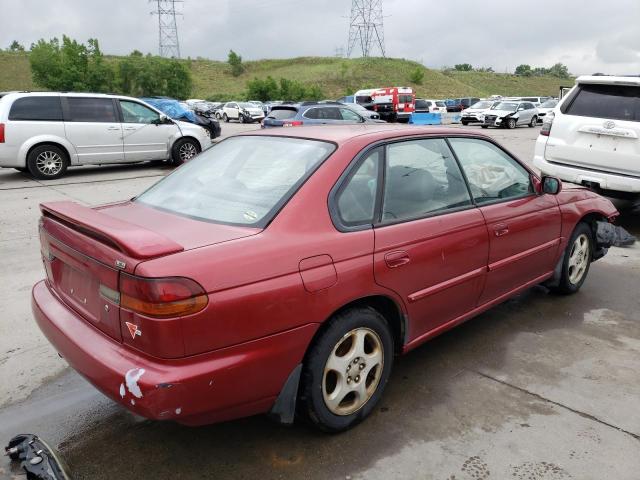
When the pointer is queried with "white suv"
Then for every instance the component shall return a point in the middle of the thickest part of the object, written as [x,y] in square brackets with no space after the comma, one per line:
[44,133]
[592,137]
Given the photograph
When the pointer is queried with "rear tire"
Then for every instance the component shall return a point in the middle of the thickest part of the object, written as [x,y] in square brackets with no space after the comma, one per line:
[47,162]
[346,370]
[184,150]
[533,122]
[225,118]
[576,261]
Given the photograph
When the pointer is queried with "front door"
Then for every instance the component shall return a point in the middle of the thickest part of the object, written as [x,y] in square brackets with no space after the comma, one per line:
[431,242]
[144,138]
[93,127]
[524,227]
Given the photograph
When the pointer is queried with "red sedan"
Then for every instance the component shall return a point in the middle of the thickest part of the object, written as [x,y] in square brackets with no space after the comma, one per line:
[281,271]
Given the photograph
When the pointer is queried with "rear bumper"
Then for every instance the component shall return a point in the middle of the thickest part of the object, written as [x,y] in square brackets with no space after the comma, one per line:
[591,177]
[229,383]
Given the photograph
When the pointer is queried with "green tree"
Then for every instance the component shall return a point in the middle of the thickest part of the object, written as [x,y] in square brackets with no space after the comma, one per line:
[16,47]
[284,89]
[523,70]
[139,75]
[263,90]
[540,71]
[417,76]
[463,67]
[235,61]
[559,70]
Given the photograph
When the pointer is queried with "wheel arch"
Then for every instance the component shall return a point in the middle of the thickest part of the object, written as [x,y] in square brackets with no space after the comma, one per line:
[186,137]
[67,148]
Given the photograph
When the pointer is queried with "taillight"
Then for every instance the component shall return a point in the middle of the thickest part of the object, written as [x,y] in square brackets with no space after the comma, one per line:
[294,123]
[1,132]
[161,297]
[546,125]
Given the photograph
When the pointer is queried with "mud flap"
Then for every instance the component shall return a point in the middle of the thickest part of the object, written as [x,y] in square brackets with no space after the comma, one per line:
[37,459]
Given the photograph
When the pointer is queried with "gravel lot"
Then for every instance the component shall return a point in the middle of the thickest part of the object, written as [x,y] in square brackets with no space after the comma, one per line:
[542,387]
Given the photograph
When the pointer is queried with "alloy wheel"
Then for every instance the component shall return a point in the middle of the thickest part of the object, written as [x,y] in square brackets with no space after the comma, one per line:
[49,163]
[352,371]
[578,259]
[187,151]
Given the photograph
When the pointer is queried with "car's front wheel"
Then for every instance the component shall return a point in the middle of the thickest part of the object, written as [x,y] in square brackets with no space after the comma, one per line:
[347,369]
[576,261]
[184,150]
[225,118]
[47,162]
[511,123]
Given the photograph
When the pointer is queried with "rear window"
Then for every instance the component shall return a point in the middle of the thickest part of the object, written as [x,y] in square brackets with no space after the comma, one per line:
[441,104]
[422,104]
[617,102]
[86,109]
[282,113]
[240,181]
[36,108]
[405,98]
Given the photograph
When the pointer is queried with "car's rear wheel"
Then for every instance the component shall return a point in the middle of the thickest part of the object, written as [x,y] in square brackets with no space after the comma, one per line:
[347,369]
[533,122]
[184,150]
[576,261]
[47,162]
[511,123]
[225,118]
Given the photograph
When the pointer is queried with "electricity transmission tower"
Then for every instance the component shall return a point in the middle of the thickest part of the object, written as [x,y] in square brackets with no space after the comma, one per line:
[168,44]
[366,27]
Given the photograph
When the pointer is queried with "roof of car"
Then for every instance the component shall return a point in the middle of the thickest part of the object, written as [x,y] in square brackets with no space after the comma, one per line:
[341,134]
[609,80]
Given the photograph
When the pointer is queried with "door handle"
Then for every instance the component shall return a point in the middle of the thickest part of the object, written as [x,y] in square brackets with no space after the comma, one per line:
[500,229]
[113,128]
[396,259]
[130,128]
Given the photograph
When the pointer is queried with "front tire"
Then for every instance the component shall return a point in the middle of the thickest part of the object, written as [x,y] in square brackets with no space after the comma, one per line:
[511,123]
[347,369]
[464,123]
[225,118]
[577,260]
[184,150]
[47,162]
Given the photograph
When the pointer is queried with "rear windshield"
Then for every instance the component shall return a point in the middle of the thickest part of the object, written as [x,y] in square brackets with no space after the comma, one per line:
[441,104]
[240,181]
[405,98]
[617,102]
[282,113]
[422,104]
[36,109]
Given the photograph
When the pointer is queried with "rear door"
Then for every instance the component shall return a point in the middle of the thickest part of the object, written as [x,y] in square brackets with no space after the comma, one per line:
[93,127]
[431,242]
[598,127]
[524,227]
[144,138]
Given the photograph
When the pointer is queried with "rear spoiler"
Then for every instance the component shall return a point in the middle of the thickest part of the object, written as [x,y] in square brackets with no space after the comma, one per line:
[130,239]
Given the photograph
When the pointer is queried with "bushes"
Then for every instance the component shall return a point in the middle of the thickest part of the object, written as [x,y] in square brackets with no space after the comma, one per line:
[417,76]
[268,89]
[73,66]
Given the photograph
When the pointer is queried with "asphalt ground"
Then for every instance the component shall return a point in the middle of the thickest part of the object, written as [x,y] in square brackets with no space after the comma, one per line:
[541,387]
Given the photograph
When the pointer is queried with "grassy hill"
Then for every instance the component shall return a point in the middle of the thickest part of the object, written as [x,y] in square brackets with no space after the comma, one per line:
[336,77]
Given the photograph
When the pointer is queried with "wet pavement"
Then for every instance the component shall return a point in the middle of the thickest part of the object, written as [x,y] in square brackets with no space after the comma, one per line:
[541,387]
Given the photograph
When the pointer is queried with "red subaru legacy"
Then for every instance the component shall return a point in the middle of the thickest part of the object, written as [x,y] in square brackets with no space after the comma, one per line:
[281,272]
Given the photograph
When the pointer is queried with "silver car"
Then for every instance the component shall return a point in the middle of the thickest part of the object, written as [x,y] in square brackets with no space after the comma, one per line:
[511,114]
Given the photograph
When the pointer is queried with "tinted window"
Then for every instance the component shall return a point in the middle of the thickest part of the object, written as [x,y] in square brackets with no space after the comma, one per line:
[133,112]
[86,109]
[36,108]
[241,181]
[421,177]
[282,113]
[616,102]
[405,98]
[350,115]
[420,104]
[492,174]
[357,200]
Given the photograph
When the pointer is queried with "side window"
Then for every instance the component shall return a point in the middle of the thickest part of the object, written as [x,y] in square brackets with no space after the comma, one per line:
[421,177]
[492,174]
[350,115]
[357,198]
[312,113]
[87,109]
[36,109]
[330,113]
[133,112]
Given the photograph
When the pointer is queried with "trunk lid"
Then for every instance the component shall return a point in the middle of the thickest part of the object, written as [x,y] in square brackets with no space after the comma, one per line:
[85,249]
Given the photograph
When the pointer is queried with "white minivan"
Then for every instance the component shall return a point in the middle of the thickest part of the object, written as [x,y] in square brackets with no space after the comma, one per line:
[46,132]
[592,137]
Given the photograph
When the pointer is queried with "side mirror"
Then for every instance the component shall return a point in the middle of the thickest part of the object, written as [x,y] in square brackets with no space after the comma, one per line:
[163,120]
[551,185]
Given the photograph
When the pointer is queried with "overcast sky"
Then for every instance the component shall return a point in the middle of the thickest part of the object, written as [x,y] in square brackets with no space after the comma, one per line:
[586,35]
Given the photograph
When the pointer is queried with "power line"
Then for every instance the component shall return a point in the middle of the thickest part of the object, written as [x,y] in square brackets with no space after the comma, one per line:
[168,42]
[366,29]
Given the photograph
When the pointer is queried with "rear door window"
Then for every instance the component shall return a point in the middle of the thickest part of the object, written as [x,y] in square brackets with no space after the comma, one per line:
[87,109]
[357,199]
[616,102]
[36,109]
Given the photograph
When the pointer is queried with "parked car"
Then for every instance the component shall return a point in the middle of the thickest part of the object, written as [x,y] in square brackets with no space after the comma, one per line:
[593,136]
[546,108]
[511,114]
[244,112]
[179,111]
[260,105]
[459,104]
[475,113]
[46,132]
[269,274]
[430,106]
[314,113]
